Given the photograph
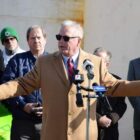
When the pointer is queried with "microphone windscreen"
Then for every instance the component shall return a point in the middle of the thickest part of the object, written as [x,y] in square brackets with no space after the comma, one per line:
[87,63]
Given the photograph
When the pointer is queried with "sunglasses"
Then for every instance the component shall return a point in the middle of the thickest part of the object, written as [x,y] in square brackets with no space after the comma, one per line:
[65,38]
[9,39]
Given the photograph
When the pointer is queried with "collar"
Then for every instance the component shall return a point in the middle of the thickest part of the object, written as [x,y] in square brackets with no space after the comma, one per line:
[74,58]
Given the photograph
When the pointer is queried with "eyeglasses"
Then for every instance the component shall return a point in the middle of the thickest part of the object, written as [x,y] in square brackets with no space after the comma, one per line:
[65,38]
[9,39]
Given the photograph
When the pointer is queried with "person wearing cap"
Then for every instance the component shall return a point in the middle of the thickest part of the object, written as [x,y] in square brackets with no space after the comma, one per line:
[9,39]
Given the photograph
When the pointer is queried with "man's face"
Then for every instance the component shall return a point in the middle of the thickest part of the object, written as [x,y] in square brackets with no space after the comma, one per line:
[71,46]
[10,43]
[36,41]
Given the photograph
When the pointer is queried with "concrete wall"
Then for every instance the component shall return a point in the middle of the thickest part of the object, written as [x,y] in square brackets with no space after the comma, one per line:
[114,25]
[110,24]
[47,13]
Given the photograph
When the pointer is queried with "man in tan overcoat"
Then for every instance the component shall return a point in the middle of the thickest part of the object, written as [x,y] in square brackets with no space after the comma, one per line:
[62,119]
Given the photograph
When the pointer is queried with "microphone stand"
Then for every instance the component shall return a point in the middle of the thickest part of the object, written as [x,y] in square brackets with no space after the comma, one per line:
[90,77]
[99,90]
[78,80]
[88,112]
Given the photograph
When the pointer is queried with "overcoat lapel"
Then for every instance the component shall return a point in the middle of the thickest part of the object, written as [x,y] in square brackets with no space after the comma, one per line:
[60,69]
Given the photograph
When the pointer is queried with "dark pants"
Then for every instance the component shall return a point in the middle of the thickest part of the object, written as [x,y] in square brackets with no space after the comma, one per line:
[25,130]
[137,134]
[110,133]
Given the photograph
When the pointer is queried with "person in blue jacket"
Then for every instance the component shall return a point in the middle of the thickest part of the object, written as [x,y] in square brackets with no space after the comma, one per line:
[26,110]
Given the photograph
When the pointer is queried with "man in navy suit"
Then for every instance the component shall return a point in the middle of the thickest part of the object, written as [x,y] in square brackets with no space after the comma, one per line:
[134,74]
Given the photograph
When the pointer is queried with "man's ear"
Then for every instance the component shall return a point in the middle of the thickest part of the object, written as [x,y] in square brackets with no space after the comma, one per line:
[79,42]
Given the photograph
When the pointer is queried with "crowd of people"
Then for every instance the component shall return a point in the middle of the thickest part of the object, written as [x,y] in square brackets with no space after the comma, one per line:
[40,91]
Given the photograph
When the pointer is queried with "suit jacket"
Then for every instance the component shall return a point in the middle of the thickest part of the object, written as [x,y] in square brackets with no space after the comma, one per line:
[62,119]
[134,74]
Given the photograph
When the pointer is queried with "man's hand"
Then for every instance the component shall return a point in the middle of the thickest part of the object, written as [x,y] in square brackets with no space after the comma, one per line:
[104,121]
[33,108]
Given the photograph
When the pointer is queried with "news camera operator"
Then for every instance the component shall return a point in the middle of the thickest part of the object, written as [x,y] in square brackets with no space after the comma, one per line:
[109,109]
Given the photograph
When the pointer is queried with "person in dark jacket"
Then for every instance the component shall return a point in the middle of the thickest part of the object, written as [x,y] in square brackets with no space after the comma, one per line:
[10,41]
[26,110]
[134,74]
[109,109]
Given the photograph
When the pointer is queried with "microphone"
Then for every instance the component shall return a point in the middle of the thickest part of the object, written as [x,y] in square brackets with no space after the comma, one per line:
[99,90]
[78,79]
[88,65]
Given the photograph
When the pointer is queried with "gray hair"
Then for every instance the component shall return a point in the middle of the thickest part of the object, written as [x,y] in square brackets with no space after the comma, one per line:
[35,27]
[78,28]
[100,49]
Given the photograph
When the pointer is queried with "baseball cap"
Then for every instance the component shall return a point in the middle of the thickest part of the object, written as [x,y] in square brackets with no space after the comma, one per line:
[8,32]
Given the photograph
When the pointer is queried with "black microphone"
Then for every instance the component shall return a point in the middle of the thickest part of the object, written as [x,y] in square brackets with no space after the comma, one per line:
[88,65]
[78,79]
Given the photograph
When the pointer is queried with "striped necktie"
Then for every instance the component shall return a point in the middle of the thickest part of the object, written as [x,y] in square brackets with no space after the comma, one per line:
[70,69]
